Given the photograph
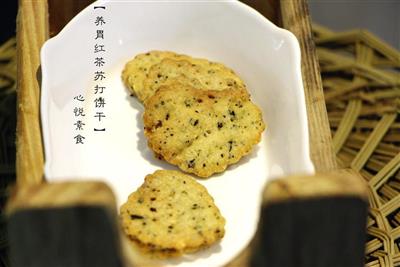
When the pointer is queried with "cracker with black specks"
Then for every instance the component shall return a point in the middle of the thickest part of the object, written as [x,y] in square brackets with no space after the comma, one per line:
[198,73]
[202,132]
[171,214]
[136,70]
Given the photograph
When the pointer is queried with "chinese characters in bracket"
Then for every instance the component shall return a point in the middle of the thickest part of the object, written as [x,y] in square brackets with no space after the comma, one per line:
[99,77]
[99,61]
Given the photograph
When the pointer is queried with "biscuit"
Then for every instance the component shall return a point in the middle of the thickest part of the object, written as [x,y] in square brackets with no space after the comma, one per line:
[171,214]
[136,70]
[198,73]
[202,132]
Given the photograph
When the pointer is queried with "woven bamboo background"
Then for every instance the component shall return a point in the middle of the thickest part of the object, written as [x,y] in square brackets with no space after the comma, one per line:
[362,91]
[361,82]
[8,71]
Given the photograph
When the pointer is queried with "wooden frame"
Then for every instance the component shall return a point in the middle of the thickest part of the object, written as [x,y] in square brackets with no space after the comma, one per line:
[40,19]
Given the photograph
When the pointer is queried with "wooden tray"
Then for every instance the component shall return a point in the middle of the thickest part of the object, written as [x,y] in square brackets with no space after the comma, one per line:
[38,20]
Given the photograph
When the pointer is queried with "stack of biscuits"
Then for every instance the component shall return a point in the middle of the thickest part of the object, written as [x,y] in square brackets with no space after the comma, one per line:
[198,116]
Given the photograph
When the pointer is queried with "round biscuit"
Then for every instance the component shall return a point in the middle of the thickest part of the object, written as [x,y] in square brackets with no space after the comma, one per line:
[170,214]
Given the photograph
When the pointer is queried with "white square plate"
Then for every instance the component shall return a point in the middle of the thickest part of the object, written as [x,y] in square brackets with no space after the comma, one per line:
[266,57]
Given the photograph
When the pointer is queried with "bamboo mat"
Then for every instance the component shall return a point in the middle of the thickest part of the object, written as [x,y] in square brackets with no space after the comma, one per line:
[361,82]
[8,72]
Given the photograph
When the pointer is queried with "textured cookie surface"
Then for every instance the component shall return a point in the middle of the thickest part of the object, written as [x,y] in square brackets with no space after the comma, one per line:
[170,214]
[198,73]
[202,132]
[136,70]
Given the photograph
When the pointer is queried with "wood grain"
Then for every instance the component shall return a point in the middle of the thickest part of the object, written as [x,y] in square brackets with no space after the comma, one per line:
[305,225]
[296,18]
[62,11]
[64,224]
[269,8]
[345,182]
[32,31]
[54,195]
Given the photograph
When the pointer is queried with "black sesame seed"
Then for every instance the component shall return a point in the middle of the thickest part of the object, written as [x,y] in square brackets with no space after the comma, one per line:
[136,217]
[191,163]
[159,124]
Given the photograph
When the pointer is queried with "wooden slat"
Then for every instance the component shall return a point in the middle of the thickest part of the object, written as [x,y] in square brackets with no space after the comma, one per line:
[62,11]
[47,222]
[32,31]
[56,195]
[366,37]
[372,142]
[268,8]
[296,18]
[347,124]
